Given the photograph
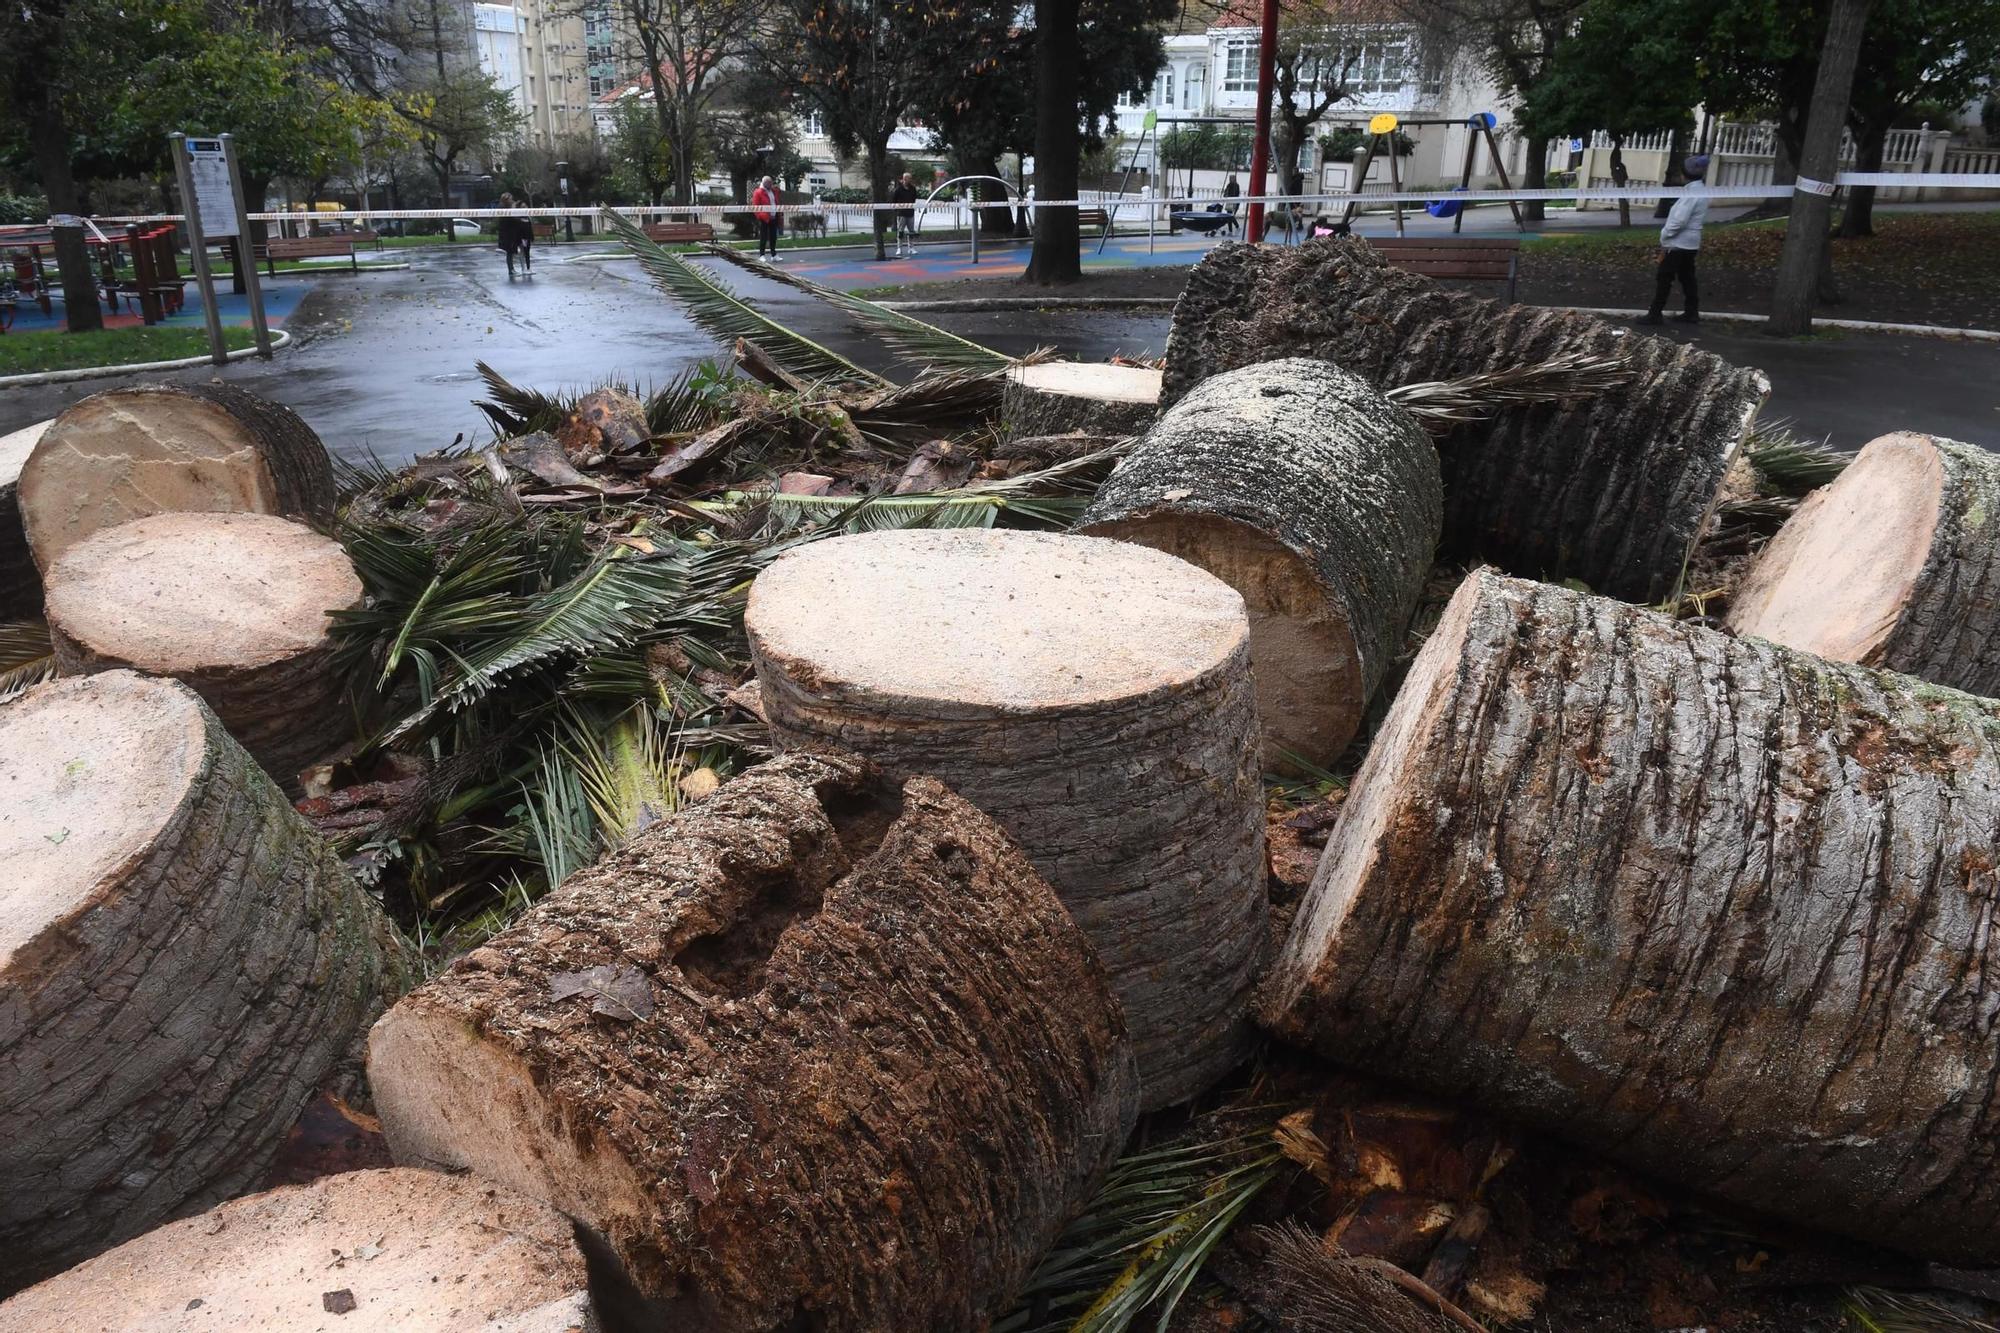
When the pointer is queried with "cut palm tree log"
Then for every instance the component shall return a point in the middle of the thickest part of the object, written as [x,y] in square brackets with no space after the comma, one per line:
[1716,907]
[235,605]
[1092,696]
[412,1251]
[1054,397]
[20,583]
[183,962]
[1896,564]
[1612,488]
[811,1054]
[129,453]
[1318,500]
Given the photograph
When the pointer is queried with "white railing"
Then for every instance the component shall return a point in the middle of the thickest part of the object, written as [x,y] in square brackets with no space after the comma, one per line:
[1751,138]
[1970,161]
[1653,141]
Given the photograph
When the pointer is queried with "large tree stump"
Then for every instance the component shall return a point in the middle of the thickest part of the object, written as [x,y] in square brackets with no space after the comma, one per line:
[1092,696]
[234,605]
[183,962]
[1613,490]
[130,453]
[20,583]
[1719,908]
[1055,397]
[808,1055]
[1894,564]
[409,1251]
[1318,500]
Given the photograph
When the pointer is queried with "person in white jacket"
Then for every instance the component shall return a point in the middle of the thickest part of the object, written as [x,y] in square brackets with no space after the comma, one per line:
[1680,242]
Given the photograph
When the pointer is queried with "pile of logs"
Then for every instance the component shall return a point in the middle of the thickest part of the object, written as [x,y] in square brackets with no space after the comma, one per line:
[842,1043]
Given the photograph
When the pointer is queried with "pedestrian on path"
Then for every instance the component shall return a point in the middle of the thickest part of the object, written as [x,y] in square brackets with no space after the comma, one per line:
[516,238]
[904,191]
[764,201]
[1680,242]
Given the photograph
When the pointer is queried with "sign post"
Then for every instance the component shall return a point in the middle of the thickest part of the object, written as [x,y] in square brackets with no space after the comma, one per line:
[200,214]
[246,253]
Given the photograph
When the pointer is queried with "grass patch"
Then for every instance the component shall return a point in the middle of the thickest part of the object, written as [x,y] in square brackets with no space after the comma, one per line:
[54,349]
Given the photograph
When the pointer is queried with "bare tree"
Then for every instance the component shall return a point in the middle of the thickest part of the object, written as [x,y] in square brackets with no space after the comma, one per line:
[1320,44]
[681,46]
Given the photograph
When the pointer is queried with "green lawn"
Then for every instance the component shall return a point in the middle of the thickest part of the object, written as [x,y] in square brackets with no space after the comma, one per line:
[53,349]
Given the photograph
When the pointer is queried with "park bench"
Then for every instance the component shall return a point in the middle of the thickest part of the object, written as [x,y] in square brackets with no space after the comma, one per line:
[679,233]
[307,247]
[367,234]
[1094,217]
[1471,259]
[545,231]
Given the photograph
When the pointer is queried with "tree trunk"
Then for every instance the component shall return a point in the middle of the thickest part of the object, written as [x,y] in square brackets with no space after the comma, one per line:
[810,1054]
[423,1253]
[184,964]
[127,453]
[1893,565]
[20,581]
[1057,258]
[1717,908]
[1055,397]
[234,606]
[1535,176]
[1315,498]
[49,131]
[1613,490]
[878,191]
[1675,174]
[1858,218]
[81,312]
[1799,264]
[1620,178]
[1095,699]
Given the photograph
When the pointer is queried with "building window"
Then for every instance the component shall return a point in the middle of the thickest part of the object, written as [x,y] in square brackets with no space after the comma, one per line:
[1380,66]
[1163,88]
[1239,65]
[815,125]
[1191,88]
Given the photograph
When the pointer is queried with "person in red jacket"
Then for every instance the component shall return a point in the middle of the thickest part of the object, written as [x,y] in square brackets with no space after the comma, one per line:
[764,202]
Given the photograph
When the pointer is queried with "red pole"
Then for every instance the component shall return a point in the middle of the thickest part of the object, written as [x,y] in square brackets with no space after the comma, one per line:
[1260,152]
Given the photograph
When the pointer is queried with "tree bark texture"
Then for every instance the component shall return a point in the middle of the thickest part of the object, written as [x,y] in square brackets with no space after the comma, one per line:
[185,964]
[1799,276]
[415,1251]
[1319,501]
[1095,699]
[1612,490]
[127,453]
[1895,564]
[1057,257]
[1713,906]
[20,581]
[81,311]
[235,606]
[1056,397]
[808,1055]
[1858,217]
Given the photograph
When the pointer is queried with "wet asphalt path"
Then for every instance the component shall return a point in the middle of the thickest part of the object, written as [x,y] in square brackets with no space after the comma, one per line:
[383,362]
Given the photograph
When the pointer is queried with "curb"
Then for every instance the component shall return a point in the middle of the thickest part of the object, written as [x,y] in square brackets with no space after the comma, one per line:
[279,338]
[1940,331]
[972,304]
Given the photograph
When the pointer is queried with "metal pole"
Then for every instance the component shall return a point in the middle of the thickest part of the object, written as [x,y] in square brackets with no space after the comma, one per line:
[246,252]
[1260,152]
[177,148]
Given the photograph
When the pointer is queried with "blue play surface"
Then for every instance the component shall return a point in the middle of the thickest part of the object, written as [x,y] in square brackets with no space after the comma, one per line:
[281,297]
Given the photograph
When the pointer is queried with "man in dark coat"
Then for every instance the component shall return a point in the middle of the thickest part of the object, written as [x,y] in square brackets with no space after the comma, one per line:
[516,237]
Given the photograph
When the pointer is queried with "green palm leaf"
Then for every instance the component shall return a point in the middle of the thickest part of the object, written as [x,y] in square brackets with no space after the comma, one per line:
[725,316]
[517,411]
[26,656]
[919,343]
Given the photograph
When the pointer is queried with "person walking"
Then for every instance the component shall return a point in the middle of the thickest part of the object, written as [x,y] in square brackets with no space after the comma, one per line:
[1232,192]
[764,201]
[904,191]
[516,238]
[1680,242]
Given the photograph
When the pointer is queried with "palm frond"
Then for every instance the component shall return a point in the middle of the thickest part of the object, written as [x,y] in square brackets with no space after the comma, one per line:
[874,513]
[1318,1290]
[1787,465]
[517,411]
[1881,1311]
[1442,404]
[691,402]
[917,342]
[725,316]
[1139,1245]
[559,817]
[26,656]
[627,768]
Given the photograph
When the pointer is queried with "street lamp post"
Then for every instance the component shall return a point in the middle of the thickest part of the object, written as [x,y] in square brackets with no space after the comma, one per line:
[562,181]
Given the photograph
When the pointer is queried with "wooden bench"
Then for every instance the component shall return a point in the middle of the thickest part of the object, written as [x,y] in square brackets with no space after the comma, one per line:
[679,233]
[307,247]
[545,231]
[1475,259]
[368,235]
[1094,217]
